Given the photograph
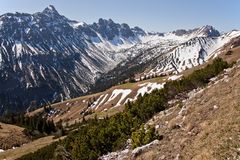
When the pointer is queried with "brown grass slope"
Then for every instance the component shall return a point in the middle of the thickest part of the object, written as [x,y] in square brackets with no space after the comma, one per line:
[12,136]
[33,146]
[206,126]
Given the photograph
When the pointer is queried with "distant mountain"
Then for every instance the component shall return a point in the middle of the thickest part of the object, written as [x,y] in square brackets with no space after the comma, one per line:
[167,53]
[205,31]
[47,57]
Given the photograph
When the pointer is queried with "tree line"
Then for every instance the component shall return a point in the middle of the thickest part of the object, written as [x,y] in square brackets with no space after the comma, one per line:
[34,125]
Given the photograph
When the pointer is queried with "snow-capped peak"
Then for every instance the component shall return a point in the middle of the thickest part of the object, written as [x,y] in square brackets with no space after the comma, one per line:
[50,10]
[51,7]
[207,31]
[204,31]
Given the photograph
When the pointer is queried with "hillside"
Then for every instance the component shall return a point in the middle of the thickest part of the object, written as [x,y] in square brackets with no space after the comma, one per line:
[12,136]
[204,125]
[101,104]
[196,121]
[96,137]
[112,100]
[27,148]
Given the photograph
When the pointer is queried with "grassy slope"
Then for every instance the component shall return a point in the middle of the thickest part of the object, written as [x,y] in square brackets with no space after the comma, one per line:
[27,148]
[76,105]
[11,135]
[210,125]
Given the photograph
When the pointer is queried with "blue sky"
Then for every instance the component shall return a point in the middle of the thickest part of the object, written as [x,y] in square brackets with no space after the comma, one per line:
[151,15]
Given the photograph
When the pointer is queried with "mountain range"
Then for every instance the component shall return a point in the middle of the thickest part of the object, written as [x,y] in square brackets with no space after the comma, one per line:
[47,57]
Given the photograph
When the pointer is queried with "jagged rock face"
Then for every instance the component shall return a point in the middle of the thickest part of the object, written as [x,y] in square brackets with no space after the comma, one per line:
[138,31]
[110,30]
[206,31]
[210,31]
[45,56]
[181,32]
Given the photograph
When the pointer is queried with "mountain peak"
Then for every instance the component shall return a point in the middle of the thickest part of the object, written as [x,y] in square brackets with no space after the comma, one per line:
[207,28]
[209,31]
[102,21]
[50,10]
[204,31]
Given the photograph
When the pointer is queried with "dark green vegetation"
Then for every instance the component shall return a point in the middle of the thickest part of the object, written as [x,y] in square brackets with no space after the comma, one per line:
[142,136]
[35,126]
[43,153]
[97,137]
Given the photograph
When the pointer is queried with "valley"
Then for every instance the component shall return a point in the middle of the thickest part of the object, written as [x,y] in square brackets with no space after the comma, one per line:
[172,119]
[113,100]
[106,90]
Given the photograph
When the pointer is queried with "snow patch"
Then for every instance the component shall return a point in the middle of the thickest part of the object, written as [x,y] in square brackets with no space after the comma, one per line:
[102,101]
[148,88]
[94,105]
[174,77]
[124,93]
[17,48]
[128,99]
[27,30]
[77,24]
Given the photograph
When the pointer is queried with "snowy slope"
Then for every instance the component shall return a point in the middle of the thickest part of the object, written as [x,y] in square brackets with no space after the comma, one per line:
[167,53]
[191,53]
[173,53]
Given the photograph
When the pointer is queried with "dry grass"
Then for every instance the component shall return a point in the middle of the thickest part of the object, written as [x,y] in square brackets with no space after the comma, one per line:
[6,129]
[210,125]
[27,148]
[11,136]
[73,107]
